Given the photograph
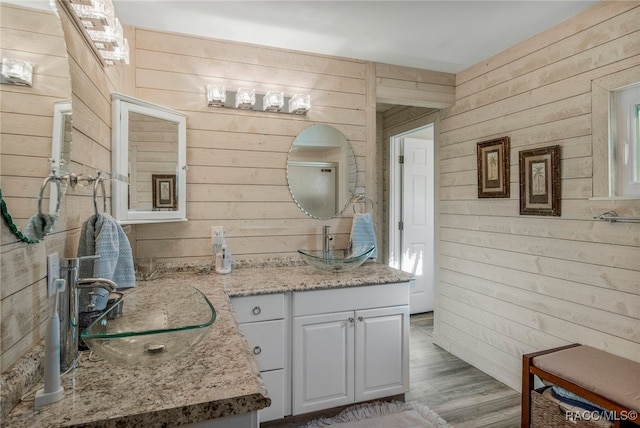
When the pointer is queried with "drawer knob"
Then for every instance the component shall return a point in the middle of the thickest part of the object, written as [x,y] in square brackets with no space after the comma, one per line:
[360,319]
[351,320]
[257,350]
[256,310]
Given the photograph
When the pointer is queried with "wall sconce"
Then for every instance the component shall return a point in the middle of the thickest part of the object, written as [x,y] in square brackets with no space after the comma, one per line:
[17,72]
[97,21]
[248,99]
[245,98]
[216,95]
[299,104]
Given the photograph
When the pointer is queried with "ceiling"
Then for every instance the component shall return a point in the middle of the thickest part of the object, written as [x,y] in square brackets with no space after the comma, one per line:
[447,36]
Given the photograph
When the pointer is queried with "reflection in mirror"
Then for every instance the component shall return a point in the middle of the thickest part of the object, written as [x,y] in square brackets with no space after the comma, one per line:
[321,171]
[153,161]
[60,151]
[34,36]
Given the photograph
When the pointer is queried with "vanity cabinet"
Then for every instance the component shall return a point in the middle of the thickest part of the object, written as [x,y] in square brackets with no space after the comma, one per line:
[349,345]
[263,321]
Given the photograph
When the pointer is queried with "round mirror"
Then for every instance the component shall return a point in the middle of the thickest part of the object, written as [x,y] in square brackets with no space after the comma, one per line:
[36,125]
[321,171]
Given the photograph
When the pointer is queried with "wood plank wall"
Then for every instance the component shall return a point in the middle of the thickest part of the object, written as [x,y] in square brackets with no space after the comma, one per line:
[34,36]
[25,306]
[512,284]
[414,87]
[237,159]
[26,129]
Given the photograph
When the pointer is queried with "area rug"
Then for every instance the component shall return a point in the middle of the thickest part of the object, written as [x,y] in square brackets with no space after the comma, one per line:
[382,414]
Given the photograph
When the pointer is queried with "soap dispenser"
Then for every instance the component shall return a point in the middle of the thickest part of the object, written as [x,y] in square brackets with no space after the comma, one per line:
[217,238]
[223,259]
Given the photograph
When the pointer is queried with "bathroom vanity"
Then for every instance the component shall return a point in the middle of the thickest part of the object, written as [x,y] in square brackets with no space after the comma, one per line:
[323,339]
[285,327]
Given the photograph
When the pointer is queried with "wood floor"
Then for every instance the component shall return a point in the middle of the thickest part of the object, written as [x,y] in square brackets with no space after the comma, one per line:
[461,394]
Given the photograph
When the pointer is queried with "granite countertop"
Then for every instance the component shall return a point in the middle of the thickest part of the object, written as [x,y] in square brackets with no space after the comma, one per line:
[267,279]
[218,377]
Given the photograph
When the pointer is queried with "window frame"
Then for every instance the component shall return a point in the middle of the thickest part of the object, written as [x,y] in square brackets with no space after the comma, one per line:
[603,180]
[624,141]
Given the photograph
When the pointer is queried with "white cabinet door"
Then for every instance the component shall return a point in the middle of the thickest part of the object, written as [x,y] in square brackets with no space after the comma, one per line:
[149,174]
[274,381]
[323,374]
[381,352]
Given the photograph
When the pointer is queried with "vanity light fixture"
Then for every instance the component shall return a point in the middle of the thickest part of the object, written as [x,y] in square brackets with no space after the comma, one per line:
[216,95]
[245,98]
[300,103]
[17,72]
[94,14]
[97,21]
[273,101]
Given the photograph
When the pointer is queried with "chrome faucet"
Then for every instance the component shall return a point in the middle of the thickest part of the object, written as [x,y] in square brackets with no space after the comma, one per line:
[69,306]
[328,237]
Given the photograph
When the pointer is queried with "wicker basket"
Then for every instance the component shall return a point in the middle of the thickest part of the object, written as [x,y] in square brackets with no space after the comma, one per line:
[548,414]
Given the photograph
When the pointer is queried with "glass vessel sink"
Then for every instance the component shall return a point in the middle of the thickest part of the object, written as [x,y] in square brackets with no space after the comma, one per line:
[150,325]
[337,260]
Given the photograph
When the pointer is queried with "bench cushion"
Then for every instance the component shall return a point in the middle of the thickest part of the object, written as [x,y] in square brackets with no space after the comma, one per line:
[608,375]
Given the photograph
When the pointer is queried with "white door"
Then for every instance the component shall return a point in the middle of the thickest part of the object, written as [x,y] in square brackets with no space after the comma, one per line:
[382,352]
[323,361]
[413,223]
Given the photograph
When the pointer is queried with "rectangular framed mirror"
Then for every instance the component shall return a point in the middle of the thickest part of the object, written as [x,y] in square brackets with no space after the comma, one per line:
[149,162]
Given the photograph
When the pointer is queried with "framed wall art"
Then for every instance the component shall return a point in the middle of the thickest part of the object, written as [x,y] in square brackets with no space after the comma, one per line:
[540,181]
[493,168]
[164,191]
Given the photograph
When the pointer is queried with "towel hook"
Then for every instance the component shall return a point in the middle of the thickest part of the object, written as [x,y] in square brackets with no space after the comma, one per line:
[99,181]
[50,178]
[362,198]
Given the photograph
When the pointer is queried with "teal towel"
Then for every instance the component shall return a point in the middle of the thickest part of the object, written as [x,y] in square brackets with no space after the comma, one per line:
[39,226]
[363,233]
[102,235]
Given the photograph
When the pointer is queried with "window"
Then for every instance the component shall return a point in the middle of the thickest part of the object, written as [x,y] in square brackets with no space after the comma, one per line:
[609,172]
[624,140]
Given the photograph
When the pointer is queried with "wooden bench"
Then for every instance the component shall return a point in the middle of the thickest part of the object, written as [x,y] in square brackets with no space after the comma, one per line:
[610,381]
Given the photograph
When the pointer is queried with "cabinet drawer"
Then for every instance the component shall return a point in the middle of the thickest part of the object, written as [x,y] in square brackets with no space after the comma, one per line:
[258,308]
[350,298]
[274,381]
[267,342]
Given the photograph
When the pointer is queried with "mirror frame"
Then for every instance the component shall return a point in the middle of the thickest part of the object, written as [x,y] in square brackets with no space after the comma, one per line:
[45,79]
[342,205]
[61,110]
[122,105]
